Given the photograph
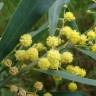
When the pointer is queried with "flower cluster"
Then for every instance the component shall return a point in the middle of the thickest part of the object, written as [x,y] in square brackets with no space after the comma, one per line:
[51,56]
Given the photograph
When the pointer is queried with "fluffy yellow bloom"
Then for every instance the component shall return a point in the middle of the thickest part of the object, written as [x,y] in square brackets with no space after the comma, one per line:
[47,94]
[93,48]
[72,86]
[76,70]
[57,78]
[13,70]
[7,62]
[38,85]
[83,39]
[74,37]
[22,92]
[14,88]
[82,72]
[70,68]
[32,54]
[39,46]
[53,41]
[43,63]
[66,31]
[67,57]
[55,65]
[20,55]
[54,57]
[91,35]
[69,16]
[26,40]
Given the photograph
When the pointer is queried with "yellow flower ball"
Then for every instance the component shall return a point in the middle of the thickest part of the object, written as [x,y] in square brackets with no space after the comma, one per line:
[22,92]
[91,35]
[47,94]
[53,41]
[83,73]
[83,39]
[39,46]
[74,37]
[20,55]
[66,31]
[38,85]
[13,70]
[57,78]
[53,55]
[32,54]
[43,63]
[14,88]
[93,48]
[70,68]
[26,40]
[69,16]
[7,62]
[67,57]
[77,70]
[54,65]
[72,87]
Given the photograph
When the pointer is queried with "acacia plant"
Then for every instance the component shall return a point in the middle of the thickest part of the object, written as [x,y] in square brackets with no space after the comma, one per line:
[48,57]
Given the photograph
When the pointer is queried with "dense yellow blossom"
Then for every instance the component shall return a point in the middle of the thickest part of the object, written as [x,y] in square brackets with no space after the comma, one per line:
[47,94]
[83,39]
[39,46]
[32,54]
[93,48]
[14,88]
[76,70]
[13,70]
[7,62]
[53,41]
[20,55]
[54,57]
[69,16]
[91,35]
[67,57]
[26,40]
[38,85]
[55,64]
[74,37]
[66,31]
[22,92]
[57,78]
[70,68]
[72,87]
[82,72]
[43,63]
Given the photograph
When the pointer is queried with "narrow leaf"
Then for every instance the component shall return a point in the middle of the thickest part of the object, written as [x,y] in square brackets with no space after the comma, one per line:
[69,76]
[26,15]
[54,13]
[88,53]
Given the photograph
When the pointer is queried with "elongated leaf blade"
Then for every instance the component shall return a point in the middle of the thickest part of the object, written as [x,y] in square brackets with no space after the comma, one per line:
[26,15]
[88,53]
[69,76]
[40,33]
[54,13]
